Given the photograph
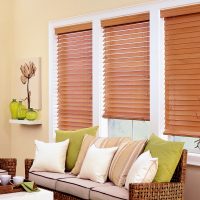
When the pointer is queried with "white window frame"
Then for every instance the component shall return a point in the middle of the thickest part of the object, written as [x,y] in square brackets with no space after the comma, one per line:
[157,106]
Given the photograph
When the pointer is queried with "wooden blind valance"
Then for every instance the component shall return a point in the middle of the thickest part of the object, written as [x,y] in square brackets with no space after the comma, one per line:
[73,28]
[182,75]
[184,10]
[126,71]
[74,66]
[125,20]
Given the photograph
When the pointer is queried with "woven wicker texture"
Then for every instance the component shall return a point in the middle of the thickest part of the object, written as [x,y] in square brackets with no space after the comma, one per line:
[144,191]
[28,164]
[62,196]
[9,164]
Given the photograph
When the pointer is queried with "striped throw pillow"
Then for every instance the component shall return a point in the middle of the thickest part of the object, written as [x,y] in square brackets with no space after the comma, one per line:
[126,154]
[88,140]
[110,142]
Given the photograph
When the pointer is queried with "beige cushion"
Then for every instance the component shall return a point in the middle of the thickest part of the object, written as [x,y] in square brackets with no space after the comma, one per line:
[88,140]
[123,160]
[109,192]
[99,142]
[2,172]
[47,179]
[76,187]
[143,169]
[110,142]
[96,163]
[50,156]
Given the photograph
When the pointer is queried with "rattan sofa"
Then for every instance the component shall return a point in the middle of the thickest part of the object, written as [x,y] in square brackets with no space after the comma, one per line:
[8,165]
[173,190]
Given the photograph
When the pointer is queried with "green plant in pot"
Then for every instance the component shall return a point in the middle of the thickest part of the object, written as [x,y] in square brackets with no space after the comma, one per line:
[31,114]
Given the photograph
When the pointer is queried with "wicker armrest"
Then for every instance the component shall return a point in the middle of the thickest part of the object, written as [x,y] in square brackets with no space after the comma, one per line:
[156,191]
[28,164]
[9,164]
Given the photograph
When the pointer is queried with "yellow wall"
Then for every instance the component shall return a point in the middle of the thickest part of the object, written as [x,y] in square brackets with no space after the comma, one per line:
[5,78]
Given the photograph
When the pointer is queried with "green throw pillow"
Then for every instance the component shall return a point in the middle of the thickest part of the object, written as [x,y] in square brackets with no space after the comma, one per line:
[75,141]
[168,154]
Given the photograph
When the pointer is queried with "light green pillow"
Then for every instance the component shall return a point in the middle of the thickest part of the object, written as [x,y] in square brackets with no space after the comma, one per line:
[75,141]
[168,154]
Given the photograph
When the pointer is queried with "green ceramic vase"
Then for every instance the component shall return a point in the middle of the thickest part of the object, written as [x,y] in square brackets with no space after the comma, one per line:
[14,108]
[21,112]
[31,114]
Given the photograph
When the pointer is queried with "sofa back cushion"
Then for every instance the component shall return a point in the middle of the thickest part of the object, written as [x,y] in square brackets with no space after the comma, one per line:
[125,156]
[111,142]
[168,154]
[75,141]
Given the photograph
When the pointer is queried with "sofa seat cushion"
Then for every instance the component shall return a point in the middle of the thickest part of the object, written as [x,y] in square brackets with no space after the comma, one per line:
[47,179]
[77,187]
[2,172]
[109,192]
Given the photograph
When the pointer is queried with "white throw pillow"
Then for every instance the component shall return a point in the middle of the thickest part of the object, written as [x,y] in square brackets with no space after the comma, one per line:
[97,163]
[143,170]
[50,156]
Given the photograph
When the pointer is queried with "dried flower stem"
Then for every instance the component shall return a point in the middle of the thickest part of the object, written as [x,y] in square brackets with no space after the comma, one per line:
[28,71]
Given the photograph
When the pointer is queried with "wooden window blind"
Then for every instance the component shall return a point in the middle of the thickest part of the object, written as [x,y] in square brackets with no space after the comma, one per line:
[74,66]
[182,72]
[126,67]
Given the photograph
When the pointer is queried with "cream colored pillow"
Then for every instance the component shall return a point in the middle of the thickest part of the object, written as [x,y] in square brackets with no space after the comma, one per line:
[143,170]
[50,156]
[96,163]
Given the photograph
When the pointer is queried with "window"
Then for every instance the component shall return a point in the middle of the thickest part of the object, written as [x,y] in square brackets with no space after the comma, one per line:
[126,54]
[74,72]
[182,72]
[121,49]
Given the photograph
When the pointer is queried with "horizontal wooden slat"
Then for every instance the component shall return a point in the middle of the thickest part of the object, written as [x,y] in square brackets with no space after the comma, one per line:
[131,116]
[67,112]
[126,28]
[127,32]
[183,118]
[123,37]
[183,10]
[73,28]
[184,123]
[173,107]
[186,40]
[125,20]
[182,132]
[184,102]
[182,26]
[171,52]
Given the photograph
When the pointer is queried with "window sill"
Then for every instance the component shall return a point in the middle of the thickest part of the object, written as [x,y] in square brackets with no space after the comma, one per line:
[193,159]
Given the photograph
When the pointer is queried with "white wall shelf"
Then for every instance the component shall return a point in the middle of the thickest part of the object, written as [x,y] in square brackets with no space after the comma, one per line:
[25,122]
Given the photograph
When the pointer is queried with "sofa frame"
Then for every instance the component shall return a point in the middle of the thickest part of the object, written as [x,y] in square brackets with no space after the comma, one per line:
[173,190]
[9,164]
